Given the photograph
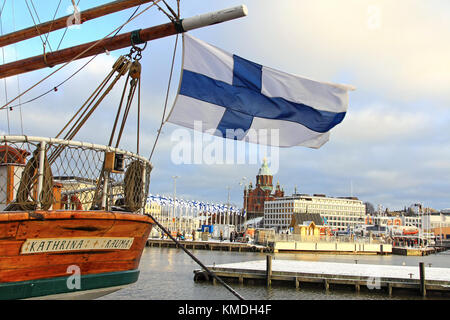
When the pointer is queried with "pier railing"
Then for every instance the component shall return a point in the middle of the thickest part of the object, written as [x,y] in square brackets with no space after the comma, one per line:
[46,173]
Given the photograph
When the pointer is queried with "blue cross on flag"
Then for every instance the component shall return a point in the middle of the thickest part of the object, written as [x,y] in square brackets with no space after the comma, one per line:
[235,98]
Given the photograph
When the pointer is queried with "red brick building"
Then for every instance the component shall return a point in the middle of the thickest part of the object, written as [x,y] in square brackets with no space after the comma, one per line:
[254,198]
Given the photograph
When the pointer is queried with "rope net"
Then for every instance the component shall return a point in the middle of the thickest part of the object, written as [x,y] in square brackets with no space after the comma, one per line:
[78,179]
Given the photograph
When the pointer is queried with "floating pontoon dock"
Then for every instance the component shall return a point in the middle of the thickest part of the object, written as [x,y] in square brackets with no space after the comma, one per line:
[379,277]
[411,251]
[332,247]
[209,245]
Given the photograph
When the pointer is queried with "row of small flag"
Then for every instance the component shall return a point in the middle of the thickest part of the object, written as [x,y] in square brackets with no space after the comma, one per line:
[200,206]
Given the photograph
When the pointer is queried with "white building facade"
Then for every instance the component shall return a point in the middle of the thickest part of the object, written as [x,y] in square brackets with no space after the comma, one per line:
[339,213]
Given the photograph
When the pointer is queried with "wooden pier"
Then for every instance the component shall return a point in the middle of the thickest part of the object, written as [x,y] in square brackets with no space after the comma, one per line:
[329,275]
[209,245]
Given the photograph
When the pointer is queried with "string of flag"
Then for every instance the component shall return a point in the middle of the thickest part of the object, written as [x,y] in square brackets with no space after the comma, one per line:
[199,207]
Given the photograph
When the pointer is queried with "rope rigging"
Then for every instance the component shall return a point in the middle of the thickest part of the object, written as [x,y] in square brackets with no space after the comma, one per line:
[53,19]
[44,43]
[67,28]
[80,54]
[129,63]
[55,88]
[167,99]
[121,66]
[135,177]
[18,78]
[3,59]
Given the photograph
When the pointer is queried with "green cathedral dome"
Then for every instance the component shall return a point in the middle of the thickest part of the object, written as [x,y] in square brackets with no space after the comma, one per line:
[264,170]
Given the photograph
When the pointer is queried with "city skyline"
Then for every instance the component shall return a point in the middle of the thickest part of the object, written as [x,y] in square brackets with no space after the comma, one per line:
[391,148]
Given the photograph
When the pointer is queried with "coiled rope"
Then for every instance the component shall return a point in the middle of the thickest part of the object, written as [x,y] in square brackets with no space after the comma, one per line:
[28,182]
[134,185]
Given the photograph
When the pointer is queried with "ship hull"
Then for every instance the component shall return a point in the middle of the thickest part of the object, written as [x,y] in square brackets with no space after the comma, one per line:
[69,254]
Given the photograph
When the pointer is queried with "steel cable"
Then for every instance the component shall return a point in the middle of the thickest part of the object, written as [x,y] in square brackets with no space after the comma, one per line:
[77,56]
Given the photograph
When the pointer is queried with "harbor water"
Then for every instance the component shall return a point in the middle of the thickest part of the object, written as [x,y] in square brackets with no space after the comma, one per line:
[167,274]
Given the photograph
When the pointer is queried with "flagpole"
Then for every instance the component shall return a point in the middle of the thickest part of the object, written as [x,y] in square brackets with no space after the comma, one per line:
[174,201]
[182,218]
[168,214]
[185,217]
[228,205]
[440,227]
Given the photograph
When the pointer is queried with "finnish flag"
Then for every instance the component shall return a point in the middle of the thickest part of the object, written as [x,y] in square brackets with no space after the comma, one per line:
[238,99]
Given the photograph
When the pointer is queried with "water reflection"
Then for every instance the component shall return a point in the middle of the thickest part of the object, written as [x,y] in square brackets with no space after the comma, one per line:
[167,274]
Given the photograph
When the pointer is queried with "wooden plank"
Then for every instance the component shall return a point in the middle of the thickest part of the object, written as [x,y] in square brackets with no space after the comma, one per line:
[9,248]
[20,267]
[63,228]
[8,230]
[268,270]
[18,262]
[61,270]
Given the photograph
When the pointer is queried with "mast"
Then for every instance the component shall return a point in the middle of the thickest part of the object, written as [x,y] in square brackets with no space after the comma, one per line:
[120,41]
[61,23]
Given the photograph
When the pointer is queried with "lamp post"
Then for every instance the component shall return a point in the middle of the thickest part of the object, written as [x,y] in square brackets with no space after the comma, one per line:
[174,199]
[422,222]
[243,183]
[227,217]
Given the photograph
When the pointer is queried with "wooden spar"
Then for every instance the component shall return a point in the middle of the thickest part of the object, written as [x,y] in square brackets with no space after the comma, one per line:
[120,41]
[61,23]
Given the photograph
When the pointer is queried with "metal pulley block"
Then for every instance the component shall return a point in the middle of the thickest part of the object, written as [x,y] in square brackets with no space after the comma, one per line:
[119,62]
[122,65]
[135,70]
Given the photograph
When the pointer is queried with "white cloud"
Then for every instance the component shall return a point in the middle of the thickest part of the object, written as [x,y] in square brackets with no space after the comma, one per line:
[377,123]
[405,58]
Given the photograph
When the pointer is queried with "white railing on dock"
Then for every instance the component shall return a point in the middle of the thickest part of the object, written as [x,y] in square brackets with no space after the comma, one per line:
[326,239]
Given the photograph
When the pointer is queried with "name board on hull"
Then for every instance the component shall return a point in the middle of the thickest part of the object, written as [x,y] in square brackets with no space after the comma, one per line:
[75,244]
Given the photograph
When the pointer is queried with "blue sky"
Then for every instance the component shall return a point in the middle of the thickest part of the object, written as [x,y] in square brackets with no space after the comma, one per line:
[392,147]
